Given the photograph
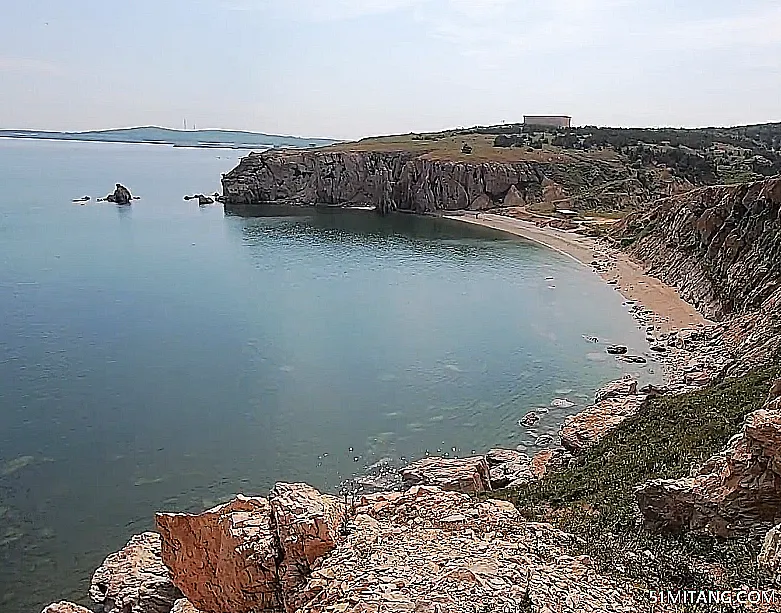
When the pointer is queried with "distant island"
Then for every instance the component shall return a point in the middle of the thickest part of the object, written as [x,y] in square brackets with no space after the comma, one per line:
[177,138]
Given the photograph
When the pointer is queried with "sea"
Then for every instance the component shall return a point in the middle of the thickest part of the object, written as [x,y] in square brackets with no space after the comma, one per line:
[164,356]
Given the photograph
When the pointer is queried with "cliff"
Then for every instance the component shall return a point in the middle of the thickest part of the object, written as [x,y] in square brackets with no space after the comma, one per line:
[388,180]
[721,247]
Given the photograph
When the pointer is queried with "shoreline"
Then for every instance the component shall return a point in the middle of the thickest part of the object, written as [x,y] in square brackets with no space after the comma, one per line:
[670,311]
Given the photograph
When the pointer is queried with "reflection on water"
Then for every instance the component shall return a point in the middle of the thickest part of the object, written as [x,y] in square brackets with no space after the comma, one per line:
[163,356]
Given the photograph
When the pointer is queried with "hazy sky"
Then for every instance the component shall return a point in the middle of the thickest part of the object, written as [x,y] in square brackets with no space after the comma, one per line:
[349,68]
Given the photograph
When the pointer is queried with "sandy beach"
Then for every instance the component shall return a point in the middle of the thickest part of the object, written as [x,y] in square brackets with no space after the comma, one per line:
[615,267]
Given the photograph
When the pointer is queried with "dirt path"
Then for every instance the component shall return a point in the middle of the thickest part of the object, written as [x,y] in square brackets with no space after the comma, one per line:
[614,266]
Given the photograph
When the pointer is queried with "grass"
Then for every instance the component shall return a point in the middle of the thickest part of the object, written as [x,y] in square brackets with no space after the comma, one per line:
[594,498]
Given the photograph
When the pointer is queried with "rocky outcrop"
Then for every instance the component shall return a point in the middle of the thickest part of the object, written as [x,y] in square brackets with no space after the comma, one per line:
[65,607]
[202,200]
[184,606]
[121,195]
[721,247]
[135,580]
[468,475]
[224,559]
[736,490]
[429,550]
[307,528]
[387,180]
[613,404]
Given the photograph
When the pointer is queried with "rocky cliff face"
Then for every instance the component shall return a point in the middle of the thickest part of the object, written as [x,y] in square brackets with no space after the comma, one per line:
[387,180]
[721,247]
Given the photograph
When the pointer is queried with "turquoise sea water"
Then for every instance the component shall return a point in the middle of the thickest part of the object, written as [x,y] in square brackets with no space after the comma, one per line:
[163,356]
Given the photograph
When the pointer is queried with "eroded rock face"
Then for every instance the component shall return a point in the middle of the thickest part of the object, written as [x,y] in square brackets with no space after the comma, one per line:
[307,526]
[387,180]
[614,403]
[224,559]
[135,580]
[65,607]
[468,475]
[428,550]
[736,490]
[721,247]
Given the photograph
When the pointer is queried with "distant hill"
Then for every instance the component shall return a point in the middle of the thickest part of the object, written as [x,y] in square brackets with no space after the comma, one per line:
[179,138]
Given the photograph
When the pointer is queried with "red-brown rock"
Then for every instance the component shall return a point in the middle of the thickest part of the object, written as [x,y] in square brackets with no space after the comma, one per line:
[224,559]
[307,524]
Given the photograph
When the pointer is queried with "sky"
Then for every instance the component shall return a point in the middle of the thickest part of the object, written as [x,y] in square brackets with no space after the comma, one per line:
[355,68]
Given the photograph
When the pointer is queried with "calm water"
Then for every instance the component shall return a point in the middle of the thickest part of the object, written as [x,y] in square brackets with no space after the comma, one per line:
[165,356]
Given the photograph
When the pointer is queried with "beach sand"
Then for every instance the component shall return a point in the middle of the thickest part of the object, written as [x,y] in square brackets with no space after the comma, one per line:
[628,276]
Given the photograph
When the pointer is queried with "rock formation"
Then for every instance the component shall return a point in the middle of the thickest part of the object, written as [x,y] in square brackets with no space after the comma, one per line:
[121,195]
[386,180]
[224,559]
[425,549]
[469,475]
[613,404]
[721,247]
[736,490]
[65,607]
[202,200]
[134,580]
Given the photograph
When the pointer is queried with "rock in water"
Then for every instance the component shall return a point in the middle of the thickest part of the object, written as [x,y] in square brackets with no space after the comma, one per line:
[65,607]
[224,559]
[616,349]
[468,475]
[121,195]
[135,580]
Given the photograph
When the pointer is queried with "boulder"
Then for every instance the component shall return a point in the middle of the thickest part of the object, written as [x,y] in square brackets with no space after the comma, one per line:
[307,525]
[625,386]
[513,198]
[616,349]
[512,474]
[469,475]
[65,607]
[735,491]
[135,580]
[590,426]
[500,456]
[121,195]
[224,559]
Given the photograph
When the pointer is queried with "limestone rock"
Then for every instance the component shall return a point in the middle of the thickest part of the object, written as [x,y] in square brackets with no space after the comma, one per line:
[307,525]
[224,559]
[65,607]
[135,580]
[736,490]
[770,556]
[429,550]
[501,456]
[184,606]
[626,386]
[469,475]
[588,427]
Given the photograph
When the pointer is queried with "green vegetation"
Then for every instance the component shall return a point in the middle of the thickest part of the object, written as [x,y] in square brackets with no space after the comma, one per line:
[593,499]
